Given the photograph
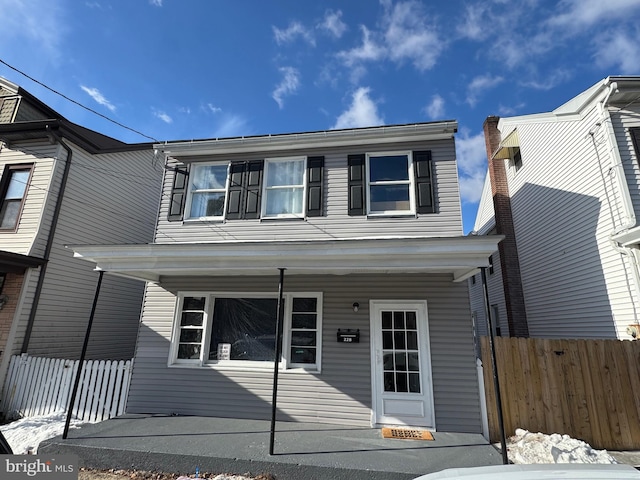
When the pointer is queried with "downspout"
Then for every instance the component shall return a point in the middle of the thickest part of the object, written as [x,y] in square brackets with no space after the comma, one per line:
[53,137]
[629,217]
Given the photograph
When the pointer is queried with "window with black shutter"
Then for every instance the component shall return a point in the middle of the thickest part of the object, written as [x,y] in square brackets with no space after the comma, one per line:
[357,184]
[635,137]
[424,182]
[315,179]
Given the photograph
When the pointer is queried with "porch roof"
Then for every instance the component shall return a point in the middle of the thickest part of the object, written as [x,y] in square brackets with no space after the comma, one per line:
[460,256]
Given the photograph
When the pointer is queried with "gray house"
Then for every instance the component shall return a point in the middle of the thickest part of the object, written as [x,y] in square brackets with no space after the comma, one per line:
[64,184]
[563,188]
[365,227]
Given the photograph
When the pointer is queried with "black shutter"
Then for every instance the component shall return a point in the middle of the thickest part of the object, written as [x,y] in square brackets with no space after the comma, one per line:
[178,193]
[236,190]
[315,174]
[357,184]
[253,197]
[424,183]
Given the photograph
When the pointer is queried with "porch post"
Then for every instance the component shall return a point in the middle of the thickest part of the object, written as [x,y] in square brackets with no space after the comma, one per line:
[276,365]
[496,382]
[74,392]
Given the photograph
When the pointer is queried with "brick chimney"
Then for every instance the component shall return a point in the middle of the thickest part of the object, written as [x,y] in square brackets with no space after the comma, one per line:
[509,263]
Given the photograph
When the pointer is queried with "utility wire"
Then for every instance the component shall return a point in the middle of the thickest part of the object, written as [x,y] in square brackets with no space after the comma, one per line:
[78,103]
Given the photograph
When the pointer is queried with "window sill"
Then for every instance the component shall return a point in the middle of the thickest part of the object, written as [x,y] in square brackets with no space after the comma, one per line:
[247,368]
[392,215]
[204,220]
[287,219]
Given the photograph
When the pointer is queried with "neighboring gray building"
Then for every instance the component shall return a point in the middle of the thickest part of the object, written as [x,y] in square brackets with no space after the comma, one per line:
[367,225]
[564,189]
[63,184]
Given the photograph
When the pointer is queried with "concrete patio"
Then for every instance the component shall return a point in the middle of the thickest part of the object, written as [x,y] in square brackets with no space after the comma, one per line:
[179,444]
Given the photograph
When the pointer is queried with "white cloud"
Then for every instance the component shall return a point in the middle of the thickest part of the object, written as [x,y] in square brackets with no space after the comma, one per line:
[405,35]
[333,24]
[578,14]
[479,85]
[33,25]
[98,97]
[474,22]
[363,112]
[211,108]
[368,51]
[288,86]
[472,165]
[617,49]
[156,3]
[293,31]
[231,126]
[162,116]
[435,108]
[409,37]
[549,81]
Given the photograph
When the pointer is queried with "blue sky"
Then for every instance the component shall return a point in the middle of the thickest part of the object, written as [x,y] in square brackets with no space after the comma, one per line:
[183,69]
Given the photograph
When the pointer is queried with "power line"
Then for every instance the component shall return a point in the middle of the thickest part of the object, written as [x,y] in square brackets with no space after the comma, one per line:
[78,103]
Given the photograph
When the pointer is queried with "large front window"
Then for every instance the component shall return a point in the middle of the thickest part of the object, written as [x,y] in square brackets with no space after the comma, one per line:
[240,330]
[208,190]
[390,184]
[284,187]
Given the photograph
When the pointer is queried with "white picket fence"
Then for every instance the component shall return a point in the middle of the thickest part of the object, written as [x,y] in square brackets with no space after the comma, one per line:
[40,386]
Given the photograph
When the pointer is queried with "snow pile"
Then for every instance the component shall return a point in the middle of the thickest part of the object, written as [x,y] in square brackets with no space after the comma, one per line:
[526,447]
[25,435]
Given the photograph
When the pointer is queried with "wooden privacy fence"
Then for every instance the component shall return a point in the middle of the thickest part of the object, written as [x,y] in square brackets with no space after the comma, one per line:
[588,389]
[41,386]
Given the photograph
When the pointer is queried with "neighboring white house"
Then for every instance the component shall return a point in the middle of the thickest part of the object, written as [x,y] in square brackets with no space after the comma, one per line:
[63,184]
[365,226]
[564,189]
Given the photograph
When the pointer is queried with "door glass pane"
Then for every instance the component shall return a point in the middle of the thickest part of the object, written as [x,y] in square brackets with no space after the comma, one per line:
[300,338]
[412,340]
[386,320]
[189,351]
[389,382]
[398,320]
[413,363]
[303,321]
[191,335]
[401,361]
[191,319]
[193,303]
[412,324]
[398,337]
[401,382]
[387,340]
[305,305]
[388,361]
[414,382]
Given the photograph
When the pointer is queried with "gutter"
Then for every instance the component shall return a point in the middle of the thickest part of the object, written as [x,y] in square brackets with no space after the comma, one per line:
[54,137]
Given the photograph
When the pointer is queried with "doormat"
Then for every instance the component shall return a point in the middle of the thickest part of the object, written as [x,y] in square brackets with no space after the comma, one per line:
[406,433]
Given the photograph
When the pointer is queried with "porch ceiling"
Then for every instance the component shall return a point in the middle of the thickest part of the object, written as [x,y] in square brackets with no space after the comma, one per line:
[460,256]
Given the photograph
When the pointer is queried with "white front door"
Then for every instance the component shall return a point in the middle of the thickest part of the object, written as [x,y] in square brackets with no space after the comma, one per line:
[401,373]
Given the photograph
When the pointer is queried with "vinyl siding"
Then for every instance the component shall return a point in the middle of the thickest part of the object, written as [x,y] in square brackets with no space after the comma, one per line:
[575,283]
[27,112]
[622,121]
[109,199]
[342,392]
[336,223]
[485,217]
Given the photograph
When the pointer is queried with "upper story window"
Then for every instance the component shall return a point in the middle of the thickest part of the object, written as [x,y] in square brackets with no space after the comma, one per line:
[284,187]
[238,330]
[14,189]
[288,187]
[516,159]
[207,190]
[391,183]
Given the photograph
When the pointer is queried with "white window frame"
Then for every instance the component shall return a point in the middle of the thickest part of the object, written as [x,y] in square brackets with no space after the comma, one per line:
[266,188]
[190,191]
[410,182]
[285,362]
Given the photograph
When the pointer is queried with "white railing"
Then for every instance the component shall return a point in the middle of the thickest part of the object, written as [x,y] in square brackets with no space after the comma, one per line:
[41,386]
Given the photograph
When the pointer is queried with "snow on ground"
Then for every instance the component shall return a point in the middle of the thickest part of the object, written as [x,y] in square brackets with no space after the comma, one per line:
[26,434]
[523,447]
[527,447]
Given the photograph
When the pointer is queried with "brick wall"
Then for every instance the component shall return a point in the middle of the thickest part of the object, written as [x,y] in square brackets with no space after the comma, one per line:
[509,262]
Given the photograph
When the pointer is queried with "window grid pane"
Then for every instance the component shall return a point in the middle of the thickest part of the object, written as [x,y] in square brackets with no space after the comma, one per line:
[191,328]
[401,365]
[208,190]
[304,330]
